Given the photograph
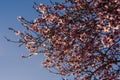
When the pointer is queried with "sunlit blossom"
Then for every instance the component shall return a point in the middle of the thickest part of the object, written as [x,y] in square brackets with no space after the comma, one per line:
[35,53]
[19,18]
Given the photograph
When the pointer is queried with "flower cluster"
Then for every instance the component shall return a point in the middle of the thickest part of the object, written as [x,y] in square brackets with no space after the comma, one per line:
[79,38]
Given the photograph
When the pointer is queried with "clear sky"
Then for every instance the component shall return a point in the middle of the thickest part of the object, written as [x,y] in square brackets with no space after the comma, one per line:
[12,66]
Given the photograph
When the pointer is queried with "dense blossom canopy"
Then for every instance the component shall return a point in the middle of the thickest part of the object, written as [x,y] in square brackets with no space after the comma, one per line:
[79,38]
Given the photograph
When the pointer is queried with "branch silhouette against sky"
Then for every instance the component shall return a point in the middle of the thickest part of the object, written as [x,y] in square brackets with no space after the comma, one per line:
[79,38]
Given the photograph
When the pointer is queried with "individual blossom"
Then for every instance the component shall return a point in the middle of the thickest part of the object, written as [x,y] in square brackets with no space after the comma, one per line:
[19,18]
[107,41]
[17,32]
[35,53]
[42,8]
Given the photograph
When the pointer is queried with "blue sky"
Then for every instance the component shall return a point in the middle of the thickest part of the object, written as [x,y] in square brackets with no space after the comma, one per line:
[12,66]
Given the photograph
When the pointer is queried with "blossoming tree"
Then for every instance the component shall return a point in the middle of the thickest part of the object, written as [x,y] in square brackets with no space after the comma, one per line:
[79,38]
